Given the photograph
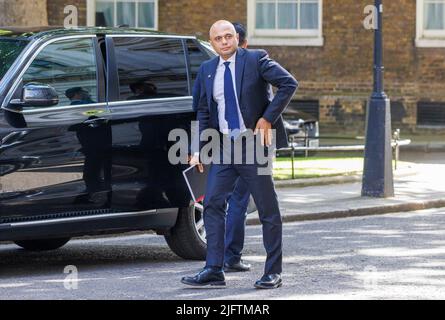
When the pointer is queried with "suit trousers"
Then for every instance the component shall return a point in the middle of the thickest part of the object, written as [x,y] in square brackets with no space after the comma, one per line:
[221,182]
[236,222]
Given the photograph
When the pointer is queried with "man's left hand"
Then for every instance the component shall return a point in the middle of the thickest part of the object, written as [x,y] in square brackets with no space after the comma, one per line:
[264,127]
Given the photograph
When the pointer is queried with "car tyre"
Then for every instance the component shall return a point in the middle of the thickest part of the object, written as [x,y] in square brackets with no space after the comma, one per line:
[187,238]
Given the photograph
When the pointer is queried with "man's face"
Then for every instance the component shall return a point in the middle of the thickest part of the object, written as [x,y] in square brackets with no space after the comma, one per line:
[224,39]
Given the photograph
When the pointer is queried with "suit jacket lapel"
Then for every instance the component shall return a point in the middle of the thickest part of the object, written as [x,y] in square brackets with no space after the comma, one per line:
[239,71]
[210,79]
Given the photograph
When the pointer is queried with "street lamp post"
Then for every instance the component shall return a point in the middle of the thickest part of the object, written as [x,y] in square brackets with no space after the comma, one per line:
[377,173]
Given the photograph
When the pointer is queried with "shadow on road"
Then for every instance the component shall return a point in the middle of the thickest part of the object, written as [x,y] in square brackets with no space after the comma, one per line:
[90,255]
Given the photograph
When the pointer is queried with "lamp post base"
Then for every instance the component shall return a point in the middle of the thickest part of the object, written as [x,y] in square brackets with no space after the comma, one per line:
[378,179]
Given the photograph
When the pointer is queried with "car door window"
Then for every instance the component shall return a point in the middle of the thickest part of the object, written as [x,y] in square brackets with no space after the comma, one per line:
[150,68]
[69,66]
[197,56]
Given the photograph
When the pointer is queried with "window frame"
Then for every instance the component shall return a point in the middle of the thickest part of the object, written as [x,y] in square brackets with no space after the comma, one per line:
[285,37]
[91,13]
[427,38]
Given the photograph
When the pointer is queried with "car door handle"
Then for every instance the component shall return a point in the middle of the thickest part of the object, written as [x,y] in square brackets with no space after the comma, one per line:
[95,122]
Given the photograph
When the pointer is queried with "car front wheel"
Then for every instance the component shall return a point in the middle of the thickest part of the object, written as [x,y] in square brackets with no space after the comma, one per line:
[188,237]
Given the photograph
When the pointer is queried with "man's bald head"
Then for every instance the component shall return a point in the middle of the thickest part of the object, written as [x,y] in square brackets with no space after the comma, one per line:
[223,38]
[221,24]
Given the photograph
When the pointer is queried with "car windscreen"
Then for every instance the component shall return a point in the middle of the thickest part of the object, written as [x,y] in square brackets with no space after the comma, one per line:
[10,49]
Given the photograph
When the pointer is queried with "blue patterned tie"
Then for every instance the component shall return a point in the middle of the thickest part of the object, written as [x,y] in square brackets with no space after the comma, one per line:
[231,113]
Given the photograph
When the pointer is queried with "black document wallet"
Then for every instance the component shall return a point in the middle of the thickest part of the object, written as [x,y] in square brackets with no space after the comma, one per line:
[196,181]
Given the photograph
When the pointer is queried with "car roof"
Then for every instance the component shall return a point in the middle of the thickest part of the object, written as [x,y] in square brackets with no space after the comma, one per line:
[32,33]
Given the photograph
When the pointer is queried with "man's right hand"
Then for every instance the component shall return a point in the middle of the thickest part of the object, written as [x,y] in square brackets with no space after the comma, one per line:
[194,160]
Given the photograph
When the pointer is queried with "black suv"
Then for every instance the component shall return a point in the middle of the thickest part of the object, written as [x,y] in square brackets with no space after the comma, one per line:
[84,123]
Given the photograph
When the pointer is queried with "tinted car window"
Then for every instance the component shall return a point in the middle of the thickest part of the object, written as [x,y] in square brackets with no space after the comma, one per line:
[10,49]
[208,48]
[197,57]
[150,68]
[68,66]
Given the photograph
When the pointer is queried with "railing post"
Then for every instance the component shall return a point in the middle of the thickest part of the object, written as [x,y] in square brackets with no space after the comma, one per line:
[292,155]
[396,137]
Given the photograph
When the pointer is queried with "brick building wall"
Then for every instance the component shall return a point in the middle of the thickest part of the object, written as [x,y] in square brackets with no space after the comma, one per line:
[23,13]
[338,74]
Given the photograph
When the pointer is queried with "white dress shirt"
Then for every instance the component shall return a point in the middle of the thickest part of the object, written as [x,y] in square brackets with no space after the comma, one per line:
[218,94]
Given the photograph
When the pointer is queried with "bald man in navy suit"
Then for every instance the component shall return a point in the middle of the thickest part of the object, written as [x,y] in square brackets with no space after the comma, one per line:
[240,197]
[235,98]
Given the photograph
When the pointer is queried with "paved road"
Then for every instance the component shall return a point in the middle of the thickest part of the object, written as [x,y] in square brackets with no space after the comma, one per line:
[391,256]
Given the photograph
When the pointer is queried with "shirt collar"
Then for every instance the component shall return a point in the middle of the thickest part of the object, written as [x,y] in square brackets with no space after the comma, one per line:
[232,60]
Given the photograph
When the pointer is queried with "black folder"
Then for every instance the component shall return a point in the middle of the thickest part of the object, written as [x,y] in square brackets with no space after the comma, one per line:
[196,181]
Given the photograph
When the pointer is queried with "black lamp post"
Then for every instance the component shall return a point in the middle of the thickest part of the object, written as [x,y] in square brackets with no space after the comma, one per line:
[377,173]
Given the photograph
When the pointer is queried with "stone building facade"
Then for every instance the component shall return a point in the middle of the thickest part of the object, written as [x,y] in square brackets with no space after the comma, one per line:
[332,56]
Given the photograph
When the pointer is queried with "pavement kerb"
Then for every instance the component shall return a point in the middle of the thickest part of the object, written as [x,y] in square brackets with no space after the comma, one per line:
[425,147]
[359,212]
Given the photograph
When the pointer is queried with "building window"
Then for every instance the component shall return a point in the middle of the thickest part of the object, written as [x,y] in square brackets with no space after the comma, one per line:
[431,114]
[285,22]
[430,23]
[299,109]
[134,13]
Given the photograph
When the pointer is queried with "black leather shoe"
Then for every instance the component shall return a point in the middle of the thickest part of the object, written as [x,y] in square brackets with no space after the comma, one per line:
[269,281]
[237,267]
[207,277]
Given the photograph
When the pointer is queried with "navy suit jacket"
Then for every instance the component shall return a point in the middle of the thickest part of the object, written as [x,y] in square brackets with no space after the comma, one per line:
[254,72]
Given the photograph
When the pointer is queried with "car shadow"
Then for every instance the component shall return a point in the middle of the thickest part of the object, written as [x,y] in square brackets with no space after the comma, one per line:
[86,254]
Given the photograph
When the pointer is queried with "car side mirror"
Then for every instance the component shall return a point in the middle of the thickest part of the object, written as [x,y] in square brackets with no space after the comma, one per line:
[37,95]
